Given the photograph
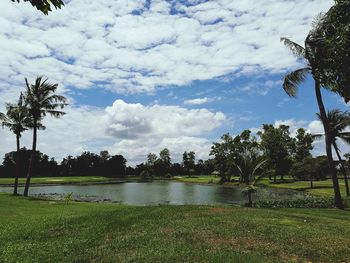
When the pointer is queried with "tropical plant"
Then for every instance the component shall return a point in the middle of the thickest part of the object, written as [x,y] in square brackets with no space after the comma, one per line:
[44,5]
[41,100]
[249,167]
[330,39]
[291,83]
[17,120]
[338,121]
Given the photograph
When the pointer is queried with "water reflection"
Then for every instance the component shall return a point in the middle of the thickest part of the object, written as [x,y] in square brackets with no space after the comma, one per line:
[162,192]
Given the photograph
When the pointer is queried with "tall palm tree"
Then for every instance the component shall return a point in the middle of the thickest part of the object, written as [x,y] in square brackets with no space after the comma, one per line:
[291,83]
[17,120]
[41,100]
[338,122]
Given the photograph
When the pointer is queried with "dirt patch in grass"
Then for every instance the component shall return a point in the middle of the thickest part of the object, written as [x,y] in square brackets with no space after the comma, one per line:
[167,230]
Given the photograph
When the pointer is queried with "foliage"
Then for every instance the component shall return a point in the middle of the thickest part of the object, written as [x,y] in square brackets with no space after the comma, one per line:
[85,164]
[277,146]
[188,162]
[44,5]
[330,41]
[311,169]
[303,145]
[227,153]
[249,166]
[338,121]
[307,202]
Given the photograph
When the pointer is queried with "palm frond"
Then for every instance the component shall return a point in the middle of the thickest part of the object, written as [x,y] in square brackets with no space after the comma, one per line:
[317,136]
[293,80]
[297,50]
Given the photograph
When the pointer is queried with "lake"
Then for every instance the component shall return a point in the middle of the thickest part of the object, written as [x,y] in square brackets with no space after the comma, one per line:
[159,192]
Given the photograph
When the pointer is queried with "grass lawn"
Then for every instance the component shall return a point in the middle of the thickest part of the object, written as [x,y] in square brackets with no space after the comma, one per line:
[321,188]
[57,180]
[198,179]
[324,188]
[46,231]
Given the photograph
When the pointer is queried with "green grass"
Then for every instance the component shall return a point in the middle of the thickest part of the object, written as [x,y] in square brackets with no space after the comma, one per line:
[205,179]
[46,231]
[322,188]
[58,180]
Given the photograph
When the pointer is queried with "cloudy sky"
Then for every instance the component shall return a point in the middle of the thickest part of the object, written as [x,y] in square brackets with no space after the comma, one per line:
[142,75]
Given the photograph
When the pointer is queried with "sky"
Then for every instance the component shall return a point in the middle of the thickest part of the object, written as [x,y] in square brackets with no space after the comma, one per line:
[142,75]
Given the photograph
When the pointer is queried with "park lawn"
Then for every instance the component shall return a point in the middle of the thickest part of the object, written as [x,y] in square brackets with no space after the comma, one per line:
[57,180]
[322,188]
[47,231]
[204,179]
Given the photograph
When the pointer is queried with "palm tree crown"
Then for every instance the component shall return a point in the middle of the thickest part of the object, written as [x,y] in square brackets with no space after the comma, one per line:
[16,118]
[41,99]
[339,121]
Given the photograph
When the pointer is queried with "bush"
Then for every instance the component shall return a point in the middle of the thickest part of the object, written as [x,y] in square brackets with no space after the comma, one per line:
[307,202]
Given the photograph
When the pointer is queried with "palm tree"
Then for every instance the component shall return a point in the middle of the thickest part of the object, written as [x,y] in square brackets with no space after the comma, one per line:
[41,100]
[17,120]
[248,166]
[291,83]
[338,122]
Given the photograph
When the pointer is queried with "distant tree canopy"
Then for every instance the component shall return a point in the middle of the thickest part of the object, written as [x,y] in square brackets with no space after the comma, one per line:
[85,164]
[44,5]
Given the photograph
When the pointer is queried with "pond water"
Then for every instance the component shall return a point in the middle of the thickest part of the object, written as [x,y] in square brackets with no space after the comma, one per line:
[159,192]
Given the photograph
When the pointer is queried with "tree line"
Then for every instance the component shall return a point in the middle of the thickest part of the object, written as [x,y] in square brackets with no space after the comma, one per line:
[85,164]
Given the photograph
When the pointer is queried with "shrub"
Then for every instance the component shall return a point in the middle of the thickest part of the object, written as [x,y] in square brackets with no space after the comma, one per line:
[307,202]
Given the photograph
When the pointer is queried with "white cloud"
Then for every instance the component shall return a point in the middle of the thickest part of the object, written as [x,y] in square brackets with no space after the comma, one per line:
[129,129]
[103,44]
[198,101]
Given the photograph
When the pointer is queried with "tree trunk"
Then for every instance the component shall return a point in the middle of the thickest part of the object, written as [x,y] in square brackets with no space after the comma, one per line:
[337,196]
[343,168]
[18,166]
[31,161]
[250,202]
[311,183]
[275,178]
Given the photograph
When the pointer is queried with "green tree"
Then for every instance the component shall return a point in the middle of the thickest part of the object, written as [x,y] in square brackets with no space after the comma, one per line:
[291,84]
[338,121]
[188,162]
[41,100]
[303,145]
[44,5]
[227,152]
[162,165]
[17,120]
[330,41]
[277,146]
[151,161]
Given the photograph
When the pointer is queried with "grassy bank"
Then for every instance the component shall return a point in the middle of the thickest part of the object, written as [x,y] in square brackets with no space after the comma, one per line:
[321,188]
[58,180]
[43,231]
